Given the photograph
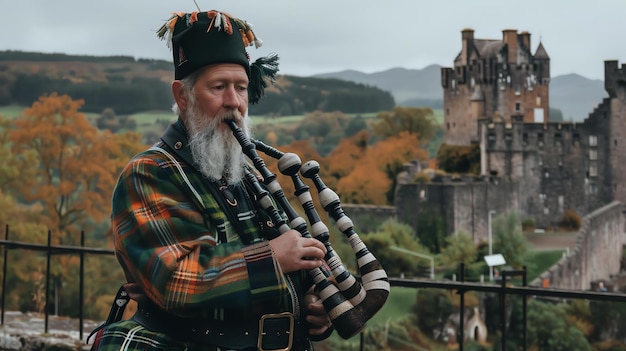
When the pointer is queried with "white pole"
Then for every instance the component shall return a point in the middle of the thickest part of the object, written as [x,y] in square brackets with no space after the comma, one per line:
[490,243]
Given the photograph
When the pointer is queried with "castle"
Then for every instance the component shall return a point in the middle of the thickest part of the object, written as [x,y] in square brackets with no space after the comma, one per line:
[496,96]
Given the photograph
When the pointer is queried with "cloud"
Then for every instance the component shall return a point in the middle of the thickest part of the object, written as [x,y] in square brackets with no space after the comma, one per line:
[323,36]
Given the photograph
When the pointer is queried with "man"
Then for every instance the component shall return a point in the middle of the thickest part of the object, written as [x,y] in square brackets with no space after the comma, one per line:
[204,264]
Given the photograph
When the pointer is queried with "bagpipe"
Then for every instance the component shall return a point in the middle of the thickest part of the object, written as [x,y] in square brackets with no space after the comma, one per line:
[348,302]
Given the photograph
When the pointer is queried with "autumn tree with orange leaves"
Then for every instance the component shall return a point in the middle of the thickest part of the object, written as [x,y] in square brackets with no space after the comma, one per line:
[77,165]
[367,173]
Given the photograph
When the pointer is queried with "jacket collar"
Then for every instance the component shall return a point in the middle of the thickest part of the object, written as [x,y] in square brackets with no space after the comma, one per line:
[175,136]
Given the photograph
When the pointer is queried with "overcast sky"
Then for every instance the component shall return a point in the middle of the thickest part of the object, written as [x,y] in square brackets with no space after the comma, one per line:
[321,36]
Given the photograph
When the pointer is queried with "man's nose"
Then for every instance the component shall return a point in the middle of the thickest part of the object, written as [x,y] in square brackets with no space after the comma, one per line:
[231,98]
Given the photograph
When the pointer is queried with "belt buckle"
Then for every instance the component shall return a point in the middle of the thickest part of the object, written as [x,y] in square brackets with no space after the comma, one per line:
[289,332]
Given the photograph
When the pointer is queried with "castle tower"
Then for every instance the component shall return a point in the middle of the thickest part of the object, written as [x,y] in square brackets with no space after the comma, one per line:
[513,83]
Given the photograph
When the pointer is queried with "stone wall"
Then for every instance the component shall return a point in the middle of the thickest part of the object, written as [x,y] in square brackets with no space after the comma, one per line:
[597,254]
[367,218]
[462,203]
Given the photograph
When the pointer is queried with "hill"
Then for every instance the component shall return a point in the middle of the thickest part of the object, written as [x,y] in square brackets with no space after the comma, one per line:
[573,94]
[128,85]
[404,84]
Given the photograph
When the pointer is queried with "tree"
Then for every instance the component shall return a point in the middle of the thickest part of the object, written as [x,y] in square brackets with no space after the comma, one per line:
[392,233]
[77,164]
[14,168]
[509,239]
[108,120]
[372,180]
[459,249]
[459,158]
[416,120]
[550,329]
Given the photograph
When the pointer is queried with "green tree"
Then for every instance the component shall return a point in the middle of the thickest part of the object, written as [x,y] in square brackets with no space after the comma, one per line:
[432,309]
[459,249]
[431,230]
[509,240]
[415,120]
[459,158]
[550,328]
[395,234]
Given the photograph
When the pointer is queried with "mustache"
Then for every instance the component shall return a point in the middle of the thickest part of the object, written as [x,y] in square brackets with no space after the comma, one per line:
[232,115]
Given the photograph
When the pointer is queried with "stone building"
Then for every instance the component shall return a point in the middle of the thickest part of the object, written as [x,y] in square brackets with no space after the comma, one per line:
[498,78]
[496,96]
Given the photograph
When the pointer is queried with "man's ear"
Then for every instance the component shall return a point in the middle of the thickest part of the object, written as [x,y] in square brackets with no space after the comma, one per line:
[179,95]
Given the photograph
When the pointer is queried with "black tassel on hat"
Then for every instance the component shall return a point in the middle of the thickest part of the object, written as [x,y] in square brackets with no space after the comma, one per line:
[260,70]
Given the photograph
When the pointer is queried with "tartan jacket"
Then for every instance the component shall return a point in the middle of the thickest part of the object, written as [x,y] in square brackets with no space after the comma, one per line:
[178,248]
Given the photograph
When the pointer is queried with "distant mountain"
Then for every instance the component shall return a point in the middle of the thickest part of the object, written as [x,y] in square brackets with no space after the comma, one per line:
[404,84]
[573,94]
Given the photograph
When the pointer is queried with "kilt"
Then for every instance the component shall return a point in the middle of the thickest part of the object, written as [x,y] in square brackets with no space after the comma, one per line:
[128,335]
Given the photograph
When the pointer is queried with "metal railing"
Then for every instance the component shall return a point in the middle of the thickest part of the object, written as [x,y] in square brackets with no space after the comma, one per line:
[461,287]
[50,250]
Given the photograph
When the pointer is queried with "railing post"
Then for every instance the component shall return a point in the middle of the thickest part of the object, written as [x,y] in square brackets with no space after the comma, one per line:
[462,311]
[503,310]
[4,273]
[48,254]
[81,286]
[524,312]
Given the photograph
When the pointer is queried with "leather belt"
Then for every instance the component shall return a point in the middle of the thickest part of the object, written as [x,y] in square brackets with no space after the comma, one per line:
[272,332]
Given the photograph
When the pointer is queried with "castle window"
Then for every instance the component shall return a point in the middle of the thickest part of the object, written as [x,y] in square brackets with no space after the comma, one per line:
[538,100]
[508,137]
[518,107]
[518,89]
[593,140]
[558,141]
[593,188]
[593,169]
[593,154]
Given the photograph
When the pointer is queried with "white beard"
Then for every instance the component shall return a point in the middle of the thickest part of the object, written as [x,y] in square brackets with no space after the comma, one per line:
[214,149]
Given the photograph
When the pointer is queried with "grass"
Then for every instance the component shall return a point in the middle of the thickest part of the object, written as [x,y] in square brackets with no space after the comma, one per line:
[541,261]
[151,117]
[397,305]
[11,111]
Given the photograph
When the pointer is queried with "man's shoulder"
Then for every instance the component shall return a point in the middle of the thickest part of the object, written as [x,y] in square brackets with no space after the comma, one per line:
[159,156]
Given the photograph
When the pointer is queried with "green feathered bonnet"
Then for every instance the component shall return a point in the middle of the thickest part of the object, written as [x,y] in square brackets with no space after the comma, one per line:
[198,39]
